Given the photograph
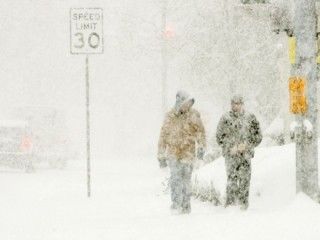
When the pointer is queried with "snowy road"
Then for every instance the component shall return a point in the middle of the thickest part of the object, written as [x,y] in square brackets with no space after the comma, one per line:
[128,203]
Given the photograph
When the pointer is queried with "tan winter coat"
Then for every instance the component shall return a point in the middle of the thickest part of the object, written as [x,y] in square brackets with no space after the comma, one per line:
[180,134]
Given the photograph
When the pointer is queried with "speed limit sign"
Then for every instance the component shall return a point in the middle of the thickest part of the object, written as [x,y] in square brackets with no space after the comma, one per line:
[86,30]
[86,37]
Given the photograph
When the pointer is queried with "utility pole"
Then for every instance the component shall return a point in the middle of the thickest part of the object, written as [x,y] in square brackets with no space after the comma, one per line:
[284,73]
[307,150]
[164,58]
[303,88]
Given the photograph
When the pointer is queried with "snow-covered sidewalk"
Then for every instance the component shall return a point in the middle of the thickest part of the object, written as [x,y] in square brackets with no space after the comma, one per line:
[128,203]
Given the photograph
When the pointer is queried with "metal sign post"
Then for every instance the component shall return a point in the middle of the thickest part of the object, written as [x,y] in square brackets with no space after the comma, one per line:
[88,127]
[86,37]
[305,22]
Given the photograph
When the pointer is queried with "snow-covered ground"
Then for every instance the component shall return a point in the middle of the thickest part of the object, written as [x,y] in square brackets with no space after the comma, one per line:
[128,202]
[273,177]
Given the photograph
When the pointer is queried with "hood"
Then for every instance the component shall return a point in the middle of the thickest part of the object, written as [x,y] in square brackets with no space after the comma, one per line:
[183,102]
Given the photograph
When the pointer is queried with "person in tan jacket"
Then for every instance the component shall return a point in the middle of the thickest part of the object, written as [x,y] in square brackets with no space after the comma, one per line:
[182,140]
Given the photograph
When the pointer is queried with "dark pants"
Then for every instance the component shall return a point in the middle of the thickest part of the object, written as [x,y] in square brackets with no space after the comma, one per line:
[180,184]
[238,180]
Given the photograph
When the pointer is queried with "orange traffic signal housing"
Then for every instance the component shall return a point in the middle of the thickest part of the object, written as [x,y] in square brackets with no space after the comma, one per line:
[297,90]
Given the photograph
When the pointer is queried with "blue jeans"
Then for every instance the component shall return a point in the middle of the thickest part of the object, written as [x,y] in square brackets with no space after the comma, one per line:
[180,184]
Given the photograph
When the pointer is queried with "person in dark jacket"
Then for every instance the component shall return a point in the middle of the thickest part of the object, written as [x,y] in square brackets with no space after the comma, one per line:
[238,133]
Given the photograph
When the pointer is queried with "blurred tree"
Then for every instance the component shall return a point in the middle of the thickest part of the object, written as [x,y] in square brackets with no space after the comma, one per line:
[254,1]
[216,48]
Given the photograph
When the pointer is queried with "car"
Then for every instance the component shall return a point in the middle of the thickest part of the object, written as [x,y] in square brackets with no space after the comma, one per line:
[16,146]
[36,137]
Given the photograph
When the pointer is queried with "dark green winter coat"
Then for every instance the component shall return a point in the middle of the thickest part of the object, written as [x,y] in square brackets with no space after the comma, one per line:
[234,129]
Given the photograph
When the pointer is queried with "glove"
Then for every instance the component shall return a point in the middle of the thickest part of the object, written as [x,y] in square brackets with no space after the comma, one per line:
[162,163]
[242,147]
[200,153]
[234,150]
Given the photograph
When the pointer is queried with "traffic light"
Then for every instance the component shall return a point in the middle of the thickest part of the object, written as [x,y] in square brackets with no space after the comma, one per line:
[298,99]
[292,42]
[169,32]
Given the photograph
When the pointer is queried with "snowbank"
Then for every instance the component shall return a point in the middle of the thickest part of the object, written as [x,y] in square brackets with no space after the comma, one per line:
[272,182]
